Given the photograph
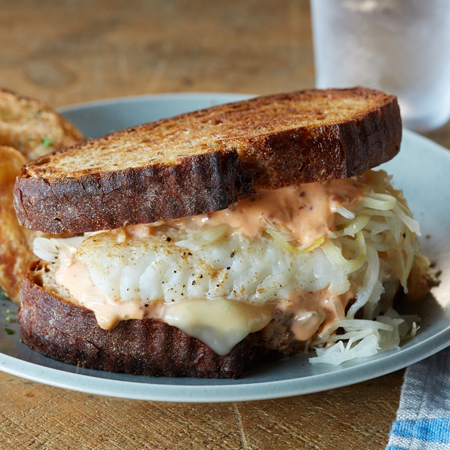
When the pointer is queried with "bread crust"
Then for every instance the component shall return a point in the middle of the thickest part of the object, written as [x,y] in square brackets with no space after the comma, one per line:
[266,142]
[110,200]
[64,331]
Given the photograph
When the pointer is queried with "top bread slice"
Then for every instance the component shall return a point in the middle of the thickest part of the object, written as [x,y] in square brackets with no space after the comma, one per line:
[205,160]
[33,127]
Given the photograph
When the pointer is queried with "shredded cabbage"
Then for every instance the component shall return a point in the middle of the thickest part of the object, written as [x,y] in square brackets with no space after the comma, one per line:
[383,202]
[49,249]
[385,221]
[336,257]
[344,212]
[282,239]
[339,353]
[381,224]
[365,337]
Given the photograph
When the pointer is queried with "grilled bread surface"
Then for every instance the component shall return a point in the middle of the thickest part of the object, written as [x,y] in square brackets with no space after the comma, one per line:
[52,323]
[33,127]
[206,160]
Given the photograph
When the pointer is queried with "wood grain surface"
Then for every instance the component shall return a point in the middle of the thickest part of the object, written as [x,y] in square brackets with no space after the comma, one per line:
[36,416]
[71,51]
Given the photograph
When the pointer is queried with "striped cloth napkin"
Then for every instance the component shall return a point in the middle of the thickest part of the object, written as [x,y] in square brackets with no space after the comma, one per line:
[423,417]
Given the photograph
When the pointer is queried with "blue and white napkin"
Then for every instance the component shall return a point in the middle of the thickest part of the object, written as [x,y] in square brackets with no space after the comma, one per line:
[423,417]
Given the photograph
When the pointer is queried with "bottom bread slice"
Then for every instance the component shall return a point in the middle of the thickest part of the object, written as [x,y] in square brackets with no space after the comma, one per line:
[58,328]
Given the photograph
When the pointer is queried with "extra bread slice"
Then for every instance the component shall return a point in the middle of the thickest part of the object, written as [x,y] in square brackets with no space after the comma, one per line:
[53,324]
[33,127]
[206,160]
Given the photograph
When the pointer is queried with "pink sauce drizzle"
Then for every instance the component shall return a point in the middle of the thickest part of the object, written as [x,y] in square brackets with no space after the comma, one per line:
[306,210]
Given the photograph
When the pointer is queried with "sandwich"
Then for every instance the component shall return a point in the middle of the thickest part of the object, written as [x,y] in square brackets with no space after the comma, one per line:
[207,243]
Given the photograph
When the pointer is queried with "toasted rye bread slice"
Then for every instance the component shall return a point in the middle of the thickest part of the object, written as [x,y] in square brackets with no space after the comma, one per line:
[206,160]
[33,127]
[54,325]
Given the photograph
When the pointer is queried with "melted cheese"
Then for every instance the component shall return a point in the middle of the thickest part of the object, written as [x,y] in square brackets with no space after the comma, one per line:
[219,323]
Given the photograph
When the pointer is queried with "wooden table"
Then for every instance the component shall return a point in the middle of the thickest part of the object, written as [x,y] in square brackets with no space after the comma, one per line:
[73,51]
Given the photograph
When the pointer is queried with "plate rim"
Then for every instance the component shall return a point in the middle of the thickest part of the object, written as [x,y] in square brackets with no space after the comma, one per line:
[145,97]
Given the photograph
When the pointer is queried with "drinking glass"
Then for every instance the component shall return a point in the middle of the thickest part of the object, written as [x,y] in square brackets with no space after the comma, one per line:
[399,46]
